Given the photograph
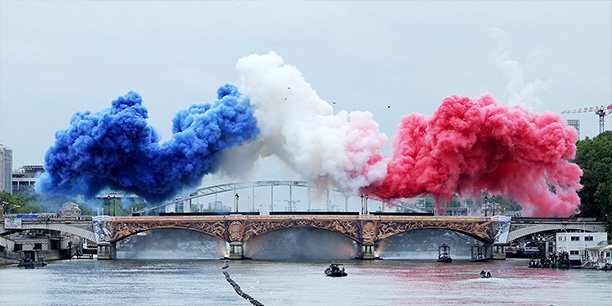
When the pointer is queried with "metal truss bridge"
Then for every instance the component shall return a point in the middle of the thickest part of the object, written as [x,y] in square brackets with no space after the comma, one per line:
[232,187]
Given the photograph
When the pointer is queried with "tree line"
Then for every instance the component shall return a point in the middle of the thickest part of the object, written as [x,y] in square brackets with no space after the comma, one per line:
[594,156]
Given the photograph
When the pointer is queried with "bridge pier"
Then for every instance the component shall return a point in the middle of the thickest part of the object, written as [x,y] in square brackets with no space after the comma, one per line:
[236,250]
[499,252]
[368,252]
[107,251]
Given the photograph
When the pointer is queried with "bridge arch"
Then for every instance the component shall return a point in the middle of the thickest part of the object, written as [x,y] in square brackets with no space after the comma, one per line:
[122,230]
[530,230]
[481,229]
[119,239]
[5,243]
[301,243]
[461,231]
[348,228]
[83,233]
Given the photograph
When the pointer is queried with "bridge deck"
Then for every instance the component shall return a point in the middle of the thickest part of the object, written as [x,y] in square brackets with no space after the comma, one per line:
[302,216]
[366,229]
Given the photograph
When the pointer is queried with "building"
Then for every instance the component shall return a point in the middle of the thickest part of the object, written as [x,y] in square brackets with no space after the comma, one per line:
[179,205]
[575,124]
[170,208]
[577,243]
[6,168]
[218,206]
[599,257]
[50,246]
[25,177]
[70,209]
[116,204]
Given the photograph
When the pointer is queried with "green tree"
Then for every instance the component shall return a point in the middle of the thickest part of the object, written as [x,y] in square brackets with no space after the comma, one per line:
[594,156]
[86,210]
[136,206]
[19,203]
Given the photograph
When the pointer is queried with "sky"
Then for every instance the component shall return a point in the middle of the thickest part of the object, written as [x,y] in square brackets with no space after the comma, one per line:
[389,58]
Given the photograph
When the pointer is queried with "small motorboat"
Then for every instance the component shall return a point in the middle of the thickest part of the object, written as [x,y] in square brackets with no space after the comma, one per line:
[31,259]
[28,263]
[534,264]
[335,270]
[444,253]
[484,274]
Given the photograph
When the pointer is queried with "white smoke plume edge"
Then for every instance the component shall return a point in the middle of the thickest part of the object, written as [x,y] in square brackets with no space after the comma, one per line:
[341,150]
[520,93]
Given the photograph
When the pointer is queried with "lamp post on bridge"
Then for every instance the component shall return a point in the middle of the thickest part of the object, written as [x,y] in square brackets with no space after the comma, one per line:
[272,198]
[345,204]
[364,204]
[292,203]
[362,196]
[110,200]
[107,205]
[236,202]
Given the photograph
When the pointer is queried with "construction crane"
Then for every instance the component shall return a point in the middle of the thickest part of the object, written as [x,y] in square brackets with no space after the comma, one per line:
[601,111]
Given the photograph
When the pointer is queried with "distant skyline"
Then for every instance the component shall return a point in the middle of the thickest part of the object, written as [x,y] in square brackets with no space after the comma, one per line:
[390,58]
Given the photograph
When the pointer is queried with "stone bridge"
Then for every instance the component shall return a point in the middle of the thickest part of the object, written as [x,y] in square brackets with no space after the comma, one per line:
[524,227]
[365,230]
[82,228]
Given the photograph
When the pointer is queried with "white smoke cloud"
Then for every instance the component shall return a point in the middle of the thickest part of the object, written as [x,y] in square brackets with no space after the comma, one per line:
[521,93]
[333,150]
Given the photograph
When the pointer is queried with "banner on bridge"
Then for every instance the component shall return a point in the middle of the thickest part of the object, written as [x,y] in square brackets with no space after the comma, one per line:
[502,228]
[12,223]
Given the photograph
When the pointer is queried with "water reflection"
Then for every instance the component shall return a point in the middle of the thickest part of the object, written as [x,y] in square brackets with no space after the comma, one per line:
[171,244]
[424,243]
[300,244]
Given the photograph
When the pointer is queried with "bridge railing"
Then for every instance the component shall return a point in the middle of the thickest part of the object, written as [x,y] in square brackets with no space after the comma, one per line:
[555,219]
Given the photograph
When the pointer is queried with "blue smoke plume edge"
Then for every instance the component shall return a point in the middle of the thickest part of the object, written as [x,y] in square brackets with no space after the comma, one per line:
[117,149]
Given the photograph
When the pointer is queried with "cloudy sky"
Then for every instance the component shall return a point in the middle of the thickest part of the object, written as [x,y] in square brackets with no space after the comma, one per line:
[60,57]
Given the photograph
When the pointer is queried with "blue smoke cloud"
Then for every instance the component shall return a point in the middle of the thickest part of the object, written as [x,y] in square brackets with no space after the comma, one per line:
[117,149]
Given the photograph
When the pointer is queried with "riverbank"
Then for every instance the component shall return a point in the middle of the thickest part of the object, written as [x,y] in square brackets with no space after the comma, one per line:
[7,261]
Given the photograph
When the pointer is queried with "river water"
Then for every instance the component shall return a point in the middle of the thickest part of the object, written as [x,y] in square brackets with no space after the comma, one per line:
[381,282]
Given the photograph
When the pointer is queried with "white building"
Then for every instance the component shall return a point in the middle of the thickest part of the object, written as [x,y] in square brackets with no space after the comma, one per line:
[600,257]
[575,124]
[25,177]
[6,169]
[170,208]
[576,243]
[217,206]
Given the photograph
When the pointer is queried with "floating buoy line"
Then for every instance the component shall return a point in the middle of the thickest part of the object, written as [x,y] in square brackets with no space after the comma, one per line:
[240,292]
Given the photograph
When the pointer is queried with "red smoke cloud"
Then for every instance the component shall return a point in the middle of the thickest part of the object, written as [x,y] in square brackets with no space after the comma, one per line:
[474,145]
